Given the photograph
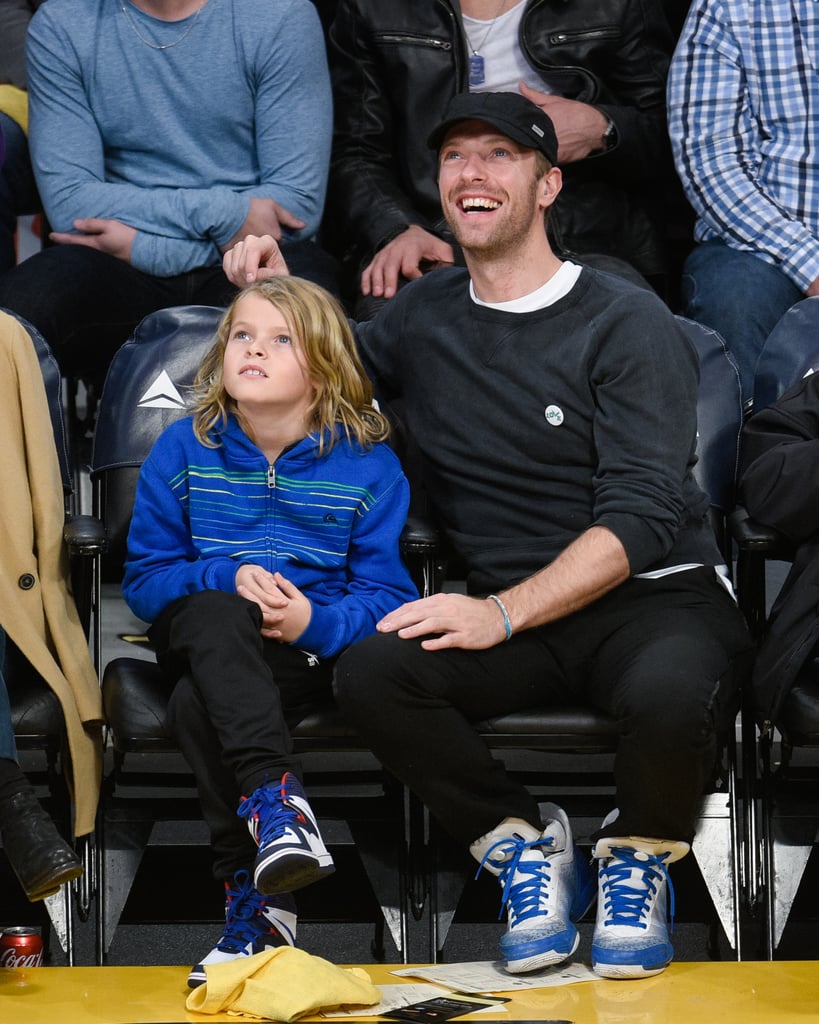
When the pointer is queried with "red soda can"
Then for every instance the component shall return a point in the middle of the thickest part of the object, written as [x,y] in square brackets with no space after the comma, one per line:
[21,947]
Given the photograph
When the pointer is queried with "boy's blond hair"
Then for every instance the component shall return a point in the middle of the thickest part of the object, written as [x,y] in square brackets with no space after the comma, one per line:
[343,393]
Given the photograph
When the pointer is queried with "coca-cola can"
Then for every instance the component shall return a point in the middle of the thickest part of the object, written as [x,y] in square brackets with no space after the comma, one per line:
[21,947]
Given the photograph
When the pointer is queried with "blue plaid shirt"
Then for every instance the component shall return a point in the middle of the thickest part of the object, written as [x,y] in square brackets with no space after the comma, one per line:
[743,114]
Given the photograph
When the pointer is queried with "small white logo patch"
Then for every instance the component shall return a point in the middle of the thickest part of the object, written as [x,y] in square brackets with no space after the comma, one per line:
[554,415]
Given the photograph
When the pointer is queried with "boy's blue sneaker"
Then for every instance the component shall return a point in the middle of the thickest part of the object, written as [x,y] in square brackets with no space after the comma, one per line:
[253,923]
[547,885]
[291,853]
[631,932]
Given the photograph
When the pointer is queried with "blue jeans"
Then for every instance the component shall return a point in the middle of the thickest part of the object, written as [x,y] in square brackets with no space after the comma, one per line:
[740,296]
[8,748]
[18,190]
[86,303]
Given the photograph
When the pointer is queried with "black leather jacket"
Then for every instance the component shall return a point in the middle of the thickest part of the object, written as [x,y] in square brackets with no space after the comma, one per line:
[396,64]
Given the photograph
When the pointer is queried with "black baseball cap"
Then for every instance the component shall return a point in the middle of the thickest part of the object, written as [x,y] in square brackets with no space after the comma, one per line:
[512,114]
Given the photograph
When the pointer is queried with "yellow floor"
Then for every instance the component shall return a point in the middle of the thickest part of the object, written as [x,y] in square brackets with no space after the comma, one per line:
[751,992]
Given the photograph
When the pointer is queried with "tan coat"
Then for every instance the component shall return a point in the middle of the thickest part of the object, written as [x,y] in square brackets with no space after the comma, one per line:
[42,620]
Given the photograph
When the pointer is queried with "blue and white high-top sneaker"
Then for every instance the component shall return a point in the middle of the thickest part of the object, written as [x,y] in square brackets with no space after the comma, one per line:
[253,923]
[634,896]
[291,853]
[547,885]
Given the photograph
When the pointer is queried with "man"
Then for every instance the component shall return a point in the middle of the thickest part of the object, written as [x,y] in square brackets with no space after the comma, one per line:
[554,407]
[161,132]
[743,107]
[599,72]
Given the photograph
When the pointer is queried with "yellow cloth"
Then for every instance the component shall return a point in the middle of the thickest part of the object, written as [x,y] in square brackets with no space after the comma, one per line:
[281,984]
[14,102]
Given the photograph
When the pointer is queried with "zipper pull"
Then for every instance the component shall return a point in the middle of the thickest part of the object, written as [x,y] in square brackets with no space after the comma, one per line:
[271,477]
[312,659]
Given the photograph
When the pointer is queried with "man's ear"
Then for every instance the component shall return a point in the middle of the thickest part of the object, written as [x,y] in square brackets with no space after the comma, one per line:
[549,187]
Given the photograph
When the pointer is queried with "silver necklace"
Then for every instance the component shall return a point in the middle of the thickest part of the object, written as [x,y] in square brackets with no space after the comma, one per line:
[164,46]
[477,65]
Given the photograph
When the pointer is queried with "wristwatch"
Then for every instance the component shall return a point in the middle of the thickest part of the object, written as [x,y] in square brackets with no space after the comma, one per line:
[609,136]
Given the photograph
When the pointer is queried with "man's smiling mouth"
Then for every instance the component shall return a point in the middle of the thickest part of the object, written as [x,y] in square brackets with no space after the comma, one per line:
[478,204]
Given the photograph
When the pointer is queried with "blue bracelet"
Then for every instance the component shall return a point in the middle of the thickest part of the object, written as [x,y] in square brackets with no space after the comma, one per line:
[507,625]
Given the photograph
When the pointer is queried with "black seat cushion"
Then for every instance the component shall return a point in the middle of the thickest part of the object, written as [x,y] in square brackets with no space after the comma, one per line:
[35,710]
[136,700]
[799,717]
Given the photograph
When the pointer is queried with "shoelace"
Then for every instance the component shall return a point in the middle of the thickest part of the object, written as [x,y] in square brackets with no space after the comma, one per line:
[245,912]
[625,904]
[270,811]
[524,896]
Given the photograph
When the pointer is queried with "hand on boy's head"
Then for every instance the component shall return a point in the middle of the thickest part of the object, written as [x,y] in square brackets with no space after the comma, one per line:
[254,258]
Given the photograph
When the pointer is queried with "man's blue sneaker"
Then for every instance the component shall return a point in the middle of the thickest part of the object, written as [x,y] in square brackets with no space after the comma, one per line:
[547,885]
[631,932]
[253,923]
[291,853]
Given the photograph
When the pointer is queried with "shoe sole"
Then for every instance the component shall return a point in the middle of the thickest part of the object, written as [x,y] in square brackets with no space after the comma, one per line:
[624,972]
[286,872]
[618,966]
[547,958]
[51,885]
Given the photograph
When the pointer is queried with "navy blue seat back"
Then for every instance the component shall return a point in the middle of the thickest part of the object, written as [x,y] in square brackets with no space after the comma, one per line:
[719,416]
[53,388]
[148,386]
[790,353]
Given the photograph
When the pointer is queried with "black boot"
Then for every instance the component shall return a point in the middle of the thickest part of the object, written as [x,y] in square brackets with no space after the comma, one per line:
[40,857]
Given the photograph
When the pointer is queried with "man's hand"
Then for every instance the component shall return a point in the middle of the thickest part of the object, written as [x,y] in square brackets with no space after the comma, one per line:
[579,126]
[254,258]
[110,236]
[403,256]
[813,288]
[286,612]
[471,623]
[265,217]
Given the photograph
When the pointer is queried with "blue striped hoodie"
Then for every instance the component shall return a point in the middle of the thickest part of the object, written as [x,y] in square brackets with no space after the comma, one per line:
[329,523]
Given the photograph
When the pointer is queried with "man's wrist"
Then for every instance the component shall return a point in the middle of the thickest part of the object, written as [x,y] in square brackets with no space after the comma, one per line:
[507,623]
[608,139]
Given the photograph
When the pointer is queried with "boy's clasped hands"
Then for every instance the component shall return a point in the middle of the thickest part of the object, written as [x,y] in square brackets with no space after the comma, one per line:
[286,612]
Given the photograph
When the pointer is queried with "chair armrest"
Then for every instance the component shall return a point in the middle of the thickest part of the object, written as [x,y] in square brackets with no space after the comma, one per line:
[754,537]
[85,535]
[419,537]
